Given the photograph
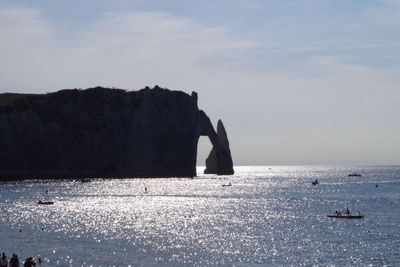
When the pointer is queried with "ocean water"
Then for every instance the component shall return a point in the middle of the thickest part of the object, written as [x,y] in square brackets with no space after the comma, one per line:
[271,215]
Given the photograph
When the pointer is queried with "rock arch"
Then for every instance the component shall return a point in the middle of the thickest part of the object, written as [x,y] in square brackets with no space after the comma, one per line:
[219,161]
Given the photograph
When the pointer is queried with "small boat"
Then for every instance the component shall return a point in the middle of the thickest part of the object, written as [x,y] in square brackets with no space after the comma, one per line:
[315,182]
[227,184]
[354,175]
[45,202]
[346,216]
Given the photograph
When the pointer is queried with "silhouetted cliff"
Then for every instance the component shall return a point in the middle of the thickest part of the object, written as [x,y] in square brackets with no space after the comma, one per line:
[100,132]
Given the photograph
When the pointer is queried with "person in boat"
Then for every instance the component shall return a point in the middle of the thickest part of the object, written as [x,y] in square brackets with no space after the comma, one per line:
[337,213]
[347,211]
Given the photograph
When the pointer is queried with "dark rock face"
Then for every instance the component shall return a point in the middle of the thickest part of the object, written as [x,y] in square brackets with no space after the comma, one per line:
[100,132]
[219,161]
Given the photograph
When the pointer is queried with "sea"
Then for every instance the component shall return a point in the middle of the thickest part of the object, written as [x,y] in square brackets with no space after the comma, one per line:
[269,216]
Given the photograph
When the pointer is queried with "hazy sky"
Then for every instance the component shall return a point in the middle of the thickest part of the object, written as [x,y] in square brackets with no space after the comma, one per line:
[294,81]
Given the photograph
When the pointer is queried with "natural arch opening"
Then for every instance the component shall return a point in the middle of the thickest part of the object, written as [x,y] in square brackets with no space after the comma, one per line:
[204,147]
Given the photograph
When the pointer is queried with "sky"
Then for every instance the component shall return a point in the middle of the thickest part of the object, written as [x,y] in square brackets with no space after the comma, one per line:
[295,82]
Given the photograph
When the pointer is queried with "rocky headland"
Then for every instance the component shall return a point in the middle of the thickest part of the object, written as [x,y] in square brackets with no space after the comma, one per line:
[106,133]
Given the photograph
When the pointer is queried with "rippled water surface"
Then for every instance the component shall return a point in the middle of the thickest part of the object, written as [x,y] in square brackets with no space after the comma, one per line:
[269,216]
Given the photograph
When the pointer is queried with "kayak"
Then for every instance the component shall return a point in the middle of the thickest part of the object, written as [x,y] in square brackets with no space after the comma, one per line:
[347,216]
[45,202]
[354,175]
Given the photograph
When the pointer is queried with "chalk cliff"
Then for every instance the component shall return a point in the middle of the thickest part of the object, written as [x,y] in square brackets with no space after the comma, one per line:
[101,132]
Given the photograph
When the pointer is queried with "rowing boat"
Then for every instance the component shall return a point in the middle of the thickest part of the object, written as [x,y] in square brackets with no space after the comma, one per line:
[347,216]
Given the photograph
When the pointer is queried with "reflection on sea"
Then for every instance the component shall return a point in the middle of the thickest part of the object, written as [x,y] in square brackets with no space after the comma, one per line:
[270,215]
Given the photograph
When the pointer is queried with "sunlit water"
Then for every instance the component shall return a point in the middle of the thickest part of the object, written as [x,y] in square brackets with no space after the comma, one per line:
[269,216]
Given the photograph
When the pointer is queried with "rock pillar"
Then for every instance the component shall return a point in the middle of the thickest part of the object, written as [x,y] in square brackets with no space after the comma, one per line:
[219,161]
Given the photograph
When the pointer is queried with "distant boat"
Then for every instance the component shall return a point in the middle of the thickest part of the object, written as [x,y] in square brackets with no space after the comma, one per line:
[354,175]
[85,180]
[227,184]
[346,216]
[45,202]
[315,182]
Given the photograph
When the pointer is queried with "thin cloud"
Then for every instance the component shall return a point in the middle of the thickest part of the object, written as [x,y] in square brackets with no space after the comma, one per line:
[110,50]
[386,14]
